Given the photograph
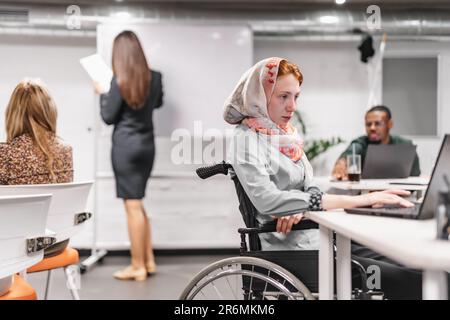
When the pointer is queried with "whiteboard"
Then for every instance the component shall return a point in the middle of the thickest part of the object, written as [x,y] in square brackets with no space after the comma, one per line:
[200,65]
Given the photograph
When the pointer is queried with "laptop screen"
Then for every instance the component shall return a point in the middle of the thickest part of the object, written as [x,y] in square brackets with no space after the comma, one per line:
[382,161]
[437,182]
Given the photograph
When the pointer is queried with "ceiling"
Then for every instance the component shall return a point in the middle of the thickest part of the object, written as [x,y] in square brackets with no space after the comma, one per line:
[288,17]
[243,3]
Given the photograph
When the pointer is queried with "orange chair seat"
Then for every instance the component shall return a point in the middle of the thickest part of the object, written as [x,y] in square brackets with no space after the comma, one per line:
[20,290]
[66,258]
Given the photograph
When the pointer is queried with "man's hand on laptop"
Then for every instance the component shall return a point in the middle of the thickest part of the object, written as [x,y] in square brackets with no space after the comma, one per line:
[284,224]
[340,170]
[388,198]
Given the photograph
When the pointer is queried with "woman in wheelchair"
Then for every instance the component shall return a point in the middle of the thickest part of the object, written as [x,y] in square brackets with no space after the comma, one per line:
[267,156]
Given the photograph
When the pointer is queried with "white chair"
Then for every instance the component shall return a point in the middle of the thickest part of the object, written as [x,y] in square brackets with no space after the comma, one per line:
[67,214]
[23,221]
[68,206]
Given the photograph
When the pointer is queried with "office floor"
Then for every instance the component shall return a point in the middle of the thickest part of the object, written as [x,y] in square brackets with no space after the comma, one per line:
[174,273]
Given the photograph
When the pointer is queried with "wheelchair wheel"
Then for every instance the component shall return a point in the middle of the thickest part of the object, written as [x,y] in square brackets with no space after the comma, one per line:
[245,278]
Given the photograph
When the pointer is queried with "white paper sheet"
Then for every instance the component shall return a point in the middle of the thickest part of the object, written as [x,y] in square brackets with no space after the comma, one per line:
[98,70]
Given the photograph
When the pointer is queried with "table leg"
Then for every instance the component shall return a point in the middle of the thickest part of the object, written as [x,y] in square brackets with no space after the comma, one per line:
[326,266]
[434,285]
[343,268]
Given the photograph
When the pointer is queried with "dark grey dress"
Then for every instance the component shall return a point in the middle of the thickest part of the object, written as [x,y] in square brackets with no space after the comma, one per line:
[133,143]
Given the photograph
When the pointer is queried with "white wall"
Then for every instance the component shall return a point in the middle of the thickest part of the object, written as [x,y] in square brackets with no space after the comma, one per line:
[335,90]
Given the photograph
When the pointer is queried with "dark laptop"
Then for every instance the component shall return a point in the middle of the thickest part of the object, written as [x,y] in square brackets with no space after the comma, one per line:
[426,209]
[388,161]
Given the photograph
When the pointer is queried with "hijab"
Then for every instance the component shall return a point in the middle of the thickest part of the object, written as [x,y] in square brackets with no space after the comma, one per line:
[248,105]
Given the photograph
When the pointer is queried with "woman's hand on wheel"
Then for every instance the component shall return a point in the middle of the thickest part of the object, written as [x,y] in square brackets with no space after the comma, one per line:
[284,224]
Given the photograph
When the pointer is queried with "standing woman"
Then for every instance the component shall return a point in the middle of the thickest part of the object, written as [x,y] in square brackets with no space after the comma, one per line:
[135,92]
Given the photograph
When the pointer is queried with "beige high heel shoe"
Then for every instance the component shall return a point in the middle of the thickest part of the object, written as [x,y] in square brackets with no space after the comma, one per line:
[151,267]
[131,273]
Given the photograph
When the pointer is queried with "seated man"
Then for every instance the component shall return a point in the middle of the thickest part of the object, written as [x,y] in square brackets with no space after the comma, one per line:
[378,124]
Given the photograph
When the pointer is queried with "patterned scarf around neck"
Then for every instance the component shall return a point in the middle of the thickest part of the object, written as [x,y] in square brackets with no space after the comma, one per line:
[287,140]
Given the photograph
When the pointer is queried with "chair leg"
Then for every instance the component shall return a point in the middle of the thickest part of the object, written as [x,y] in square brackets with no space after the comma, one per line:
[23,274]
[71,284]
[47,285]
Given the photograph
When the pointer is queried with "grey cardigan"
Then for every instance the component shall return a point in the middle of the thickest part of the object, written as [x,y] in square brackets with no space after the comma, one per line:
[275,185]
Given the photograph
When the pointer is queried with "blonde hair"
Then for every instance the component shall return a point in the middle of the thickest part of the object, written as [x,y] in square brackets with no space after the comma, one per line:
[32,111]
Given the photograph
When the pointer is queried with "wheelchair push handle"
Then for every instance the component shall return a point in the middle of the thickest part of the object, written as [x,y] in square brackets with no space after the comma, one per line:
[206,172]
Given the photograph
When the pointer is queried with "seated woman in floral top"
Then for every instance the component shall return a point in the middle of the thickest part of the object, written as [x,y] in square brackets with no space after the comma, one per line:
[33,154]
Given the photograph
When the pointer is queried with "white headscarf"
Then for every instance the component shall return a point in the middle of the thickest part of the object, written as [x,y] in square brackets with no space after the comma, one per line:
[248,104]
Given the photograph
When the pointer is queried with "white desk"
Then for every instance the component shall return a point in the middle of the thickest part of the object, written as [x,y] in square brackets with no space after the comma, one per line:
[411,183]
[409,242]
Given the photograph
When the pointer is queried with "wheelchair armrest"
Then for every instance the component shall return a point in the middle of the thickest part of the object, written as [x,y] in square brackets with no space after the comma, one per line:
[271,227]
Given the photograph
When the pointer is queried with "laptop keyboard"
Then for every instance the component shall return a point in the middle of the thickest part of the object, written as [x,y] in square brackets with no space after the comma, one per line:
[394,209]
[389,211]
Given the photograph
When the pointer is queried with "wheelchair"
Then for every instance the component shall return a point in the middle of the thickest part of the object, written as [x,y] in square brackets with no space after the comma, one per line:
[258,274]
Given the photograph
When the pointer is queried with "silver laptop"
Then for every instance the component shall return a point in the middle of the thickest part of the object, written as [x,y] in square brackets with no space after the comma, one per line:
[426,209]
[388,161]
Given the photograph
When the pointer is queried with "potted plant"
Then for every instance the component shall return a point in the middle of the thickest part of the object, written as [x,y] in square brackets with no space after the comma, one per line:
[314,147]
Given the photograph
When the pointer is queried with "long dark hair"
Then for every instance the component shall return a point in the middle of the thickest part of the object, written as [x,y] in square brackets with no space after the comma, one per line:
[131,69]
